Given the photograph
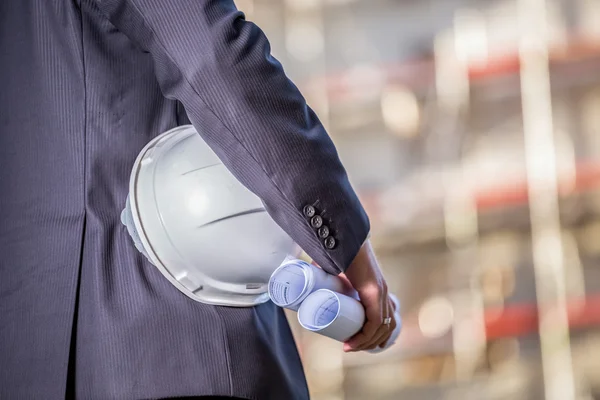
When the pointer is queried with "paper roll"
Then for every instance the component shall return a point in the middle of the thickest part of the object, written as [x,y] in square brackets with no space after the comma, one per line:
[295,279]
[325,305]
[339,317]
[331,314]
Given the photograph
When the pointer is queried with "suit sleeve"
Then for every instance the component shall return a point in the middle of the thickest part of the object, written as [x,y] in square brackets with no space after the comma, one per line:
[219,66]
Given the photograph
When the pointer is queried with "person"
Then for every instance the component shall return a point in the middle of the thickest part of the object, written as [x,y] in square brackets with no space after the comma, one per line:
[84,85]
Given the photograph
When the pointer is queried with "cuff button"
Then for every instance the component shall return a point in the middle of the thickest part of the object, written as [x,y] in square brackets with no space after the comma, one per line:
[329,242]
[316,221]
[323,232]
[309,211]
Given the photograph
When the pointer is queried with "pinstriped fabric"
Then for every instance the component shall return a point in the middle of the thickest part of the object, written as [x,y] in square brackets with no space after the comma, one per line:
[41,197]
[84,85]
[220,67]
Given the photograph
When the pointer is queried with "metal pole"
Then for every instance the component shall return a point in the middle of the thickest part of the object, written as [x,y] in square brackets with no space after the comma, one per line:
[547,243]
[460,214]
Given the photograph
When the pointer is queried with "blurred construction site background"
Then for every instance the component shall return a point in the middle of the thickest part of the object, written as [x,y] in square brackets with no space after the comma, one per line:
[471,131]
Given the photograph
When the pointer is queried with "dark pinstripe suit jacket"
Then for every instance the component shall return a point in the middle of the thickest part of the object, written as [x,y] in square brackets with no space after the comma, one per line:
[83,86]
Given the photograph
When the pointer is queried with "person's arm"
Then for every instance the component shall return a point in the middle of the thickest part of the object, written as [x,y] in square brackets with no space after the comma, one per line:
[219,66]
[364,275]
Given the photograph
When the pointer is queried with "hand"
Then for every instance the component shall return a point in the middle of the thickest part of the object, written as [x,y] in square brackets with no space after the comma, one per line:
[367,279]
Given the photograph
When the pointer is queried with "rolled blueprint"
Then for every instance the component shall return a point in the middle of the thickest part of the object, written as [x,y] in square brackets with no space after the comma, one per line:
[325,305]
[338,316]
[331,314]
[295,279]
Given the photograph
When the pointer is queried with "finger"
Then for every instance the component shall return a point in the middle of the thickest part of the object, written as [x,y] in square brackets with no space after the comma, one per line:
[370,331]
[381,343]
[379,336]
[386,341]
[364,336]
[392,305]
[372,347]
[374,320]
[383,340]
[392,324]
[383,332]
[386,306]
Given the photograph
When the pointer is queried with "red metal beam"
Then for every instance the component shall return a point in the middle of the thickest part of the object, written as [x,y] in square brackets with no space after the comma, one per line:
[419,73]
[522,319]
[587,177]
[511,321]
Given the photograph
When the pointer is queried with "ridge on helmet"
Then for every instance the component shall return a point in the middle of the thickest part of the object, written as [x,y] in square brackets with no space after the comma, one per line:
[209,235]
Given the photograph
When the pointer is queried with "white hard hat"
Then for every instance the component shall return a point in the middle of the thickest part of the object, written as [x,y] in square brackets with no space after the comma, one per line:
[206,232]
